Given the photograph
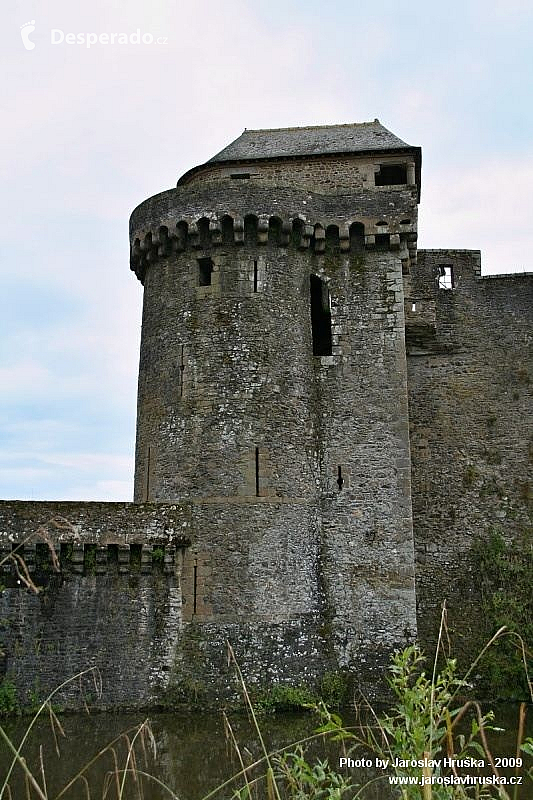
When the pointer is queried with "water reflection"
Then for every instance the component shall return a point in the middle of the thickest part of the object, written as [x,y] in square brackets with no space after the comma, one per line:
[194,752]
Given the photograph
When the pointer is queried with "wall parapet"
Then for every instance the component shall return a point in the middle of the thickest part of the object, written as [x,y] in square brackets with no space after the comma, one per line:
[91,538]
[322,235]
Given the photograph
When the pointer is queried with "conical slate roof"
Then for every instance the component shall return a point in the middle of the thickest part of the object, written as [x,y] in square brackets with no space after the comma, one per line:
[313,140]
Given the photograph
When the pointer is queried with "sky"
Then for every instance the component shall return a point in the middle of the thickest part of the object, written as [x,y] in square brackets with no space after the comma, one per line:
[88,132]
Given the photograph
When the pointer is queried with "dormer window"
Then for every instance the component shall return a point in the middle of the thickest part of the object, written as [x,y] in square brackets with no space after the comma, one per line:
[391,175]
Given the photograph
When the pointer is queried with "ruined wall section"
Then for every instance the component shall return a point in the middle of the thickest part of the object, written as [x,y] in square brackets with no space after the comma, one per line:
[109,599]
[470,397]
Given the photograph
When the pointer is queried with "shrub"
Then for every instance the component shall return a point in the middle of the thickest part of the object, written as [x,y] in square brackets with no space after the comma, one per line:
[8,698]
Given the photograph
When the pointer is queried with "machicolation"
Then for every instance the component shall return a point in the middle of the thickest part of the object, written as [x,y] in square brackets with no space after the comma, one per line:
[328,419]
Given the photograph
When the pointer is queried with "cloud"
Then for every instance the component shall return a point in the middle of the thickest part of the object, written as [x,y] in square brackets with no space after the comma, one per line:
[486,206]
[87,134]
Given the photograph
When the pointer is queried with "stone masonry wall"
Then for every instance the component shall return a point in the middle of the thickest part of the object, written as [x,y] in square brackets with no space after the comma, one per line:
[229,387]
[322,174]
[112,602]
[470,395]
[366,502]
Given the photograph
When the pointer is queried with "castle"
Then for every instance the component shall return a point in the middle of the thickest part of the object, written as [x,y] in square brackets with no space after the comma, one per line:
[327,418]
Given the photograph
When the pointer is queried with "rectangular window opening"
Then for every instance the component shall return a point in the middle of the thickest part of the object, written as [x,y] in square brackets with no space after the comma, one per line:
[391,175]
[445,276]
[255,276]
[340,479]
[382,241]
[320,317]
[205,270]
[240,176]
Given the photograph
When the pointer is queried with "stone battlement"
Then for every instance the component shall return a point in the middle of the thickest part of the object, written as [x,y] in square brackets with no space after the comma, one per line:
[322,236]
[327,421]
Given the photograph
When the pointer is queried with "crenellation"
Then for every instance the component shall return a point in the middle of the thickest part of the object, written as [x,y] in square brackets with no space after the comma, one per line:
[151,246]
[327,419]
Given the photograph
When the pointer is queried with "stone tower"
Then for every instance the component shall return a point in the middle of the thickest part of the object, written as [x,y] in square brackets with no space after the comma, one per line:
[273,398]
[325,415]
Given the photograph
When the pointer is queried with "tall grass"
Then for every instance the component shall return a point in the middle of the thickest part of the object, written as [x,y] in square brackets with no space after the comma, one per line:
[426,722]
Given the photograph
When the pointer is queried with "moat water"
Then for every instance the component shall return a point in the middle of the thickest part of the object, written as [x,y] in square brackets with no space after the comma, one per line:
[193,753]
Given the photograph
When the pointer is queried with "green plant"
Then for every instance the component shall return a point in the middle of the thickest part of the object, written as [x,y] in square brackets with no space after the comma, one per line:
[334,689]
[283,697]
[505,576]
[158,555]
[470,476]
[8,698]
[89,559]
[418,743]
[303,781]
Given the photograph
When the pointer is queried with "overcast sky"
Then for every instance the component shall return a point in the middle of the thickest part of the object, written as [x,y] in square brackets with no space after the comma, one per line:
[89,132]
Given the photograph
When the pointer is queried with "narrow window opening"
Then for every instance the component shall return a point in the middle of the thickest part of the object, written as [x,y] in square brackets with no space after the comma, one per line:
[17,551]
[320,317]
[195,586]
[391,175]
[413,307]
[297,232]
[255,276]
[445,277]
[240,176]
[182,368]
[340,479]
[257,472]
[205,270]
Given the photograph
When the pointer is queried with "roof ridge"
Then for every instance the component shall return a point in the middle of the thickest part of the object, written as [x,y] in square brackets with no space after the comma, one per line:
[312,127]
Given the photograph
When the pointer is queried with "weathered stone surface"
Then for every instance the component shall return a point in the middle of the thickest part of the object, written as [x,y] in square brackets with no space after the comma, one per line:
[313,410]
[470,400]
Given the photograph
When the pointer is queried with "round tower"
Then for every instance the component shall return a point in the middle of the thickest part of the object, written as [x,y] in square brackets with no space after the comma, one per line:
[273,403]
